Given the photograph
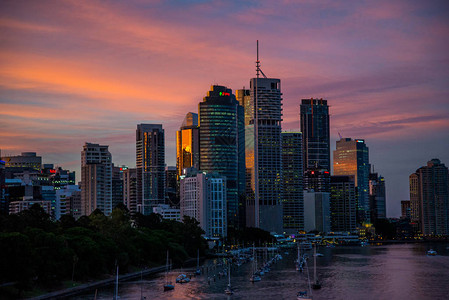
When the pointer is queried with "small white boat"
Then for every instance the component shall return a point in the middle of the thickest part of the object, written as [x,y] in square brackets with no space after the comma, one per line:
[431,252]
[182,278]
[303,295]
[229,291]
[318,255]
[255,278]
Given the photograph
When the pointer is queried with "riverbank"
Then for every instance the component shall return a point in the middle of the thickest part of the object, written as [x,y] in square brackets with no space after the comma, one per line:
[83,288]
[389,242]
[98,284]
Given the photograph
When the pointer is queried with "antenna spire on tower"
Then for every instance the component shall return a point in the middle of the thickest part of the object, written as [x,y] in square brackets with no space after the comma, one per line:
[258,63]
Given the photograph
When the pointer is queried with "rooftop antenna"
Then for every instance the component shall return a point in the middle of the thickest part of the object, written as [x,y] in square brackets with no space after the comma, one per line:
[340,135]
[258,63]
[256,145]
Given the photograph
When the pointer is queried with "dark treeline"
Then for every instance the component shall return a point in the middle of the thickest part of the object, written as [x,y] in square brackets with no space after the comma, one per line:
[36,251]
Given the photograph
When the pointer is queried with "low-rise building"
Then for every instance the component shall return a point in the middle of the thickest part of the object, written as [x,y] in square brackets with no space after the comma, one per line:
[168,212]
[203,197]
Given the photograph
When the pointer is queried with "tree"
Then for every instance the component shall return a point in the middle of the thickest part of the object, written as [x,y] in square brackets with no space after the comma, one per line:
[16,259]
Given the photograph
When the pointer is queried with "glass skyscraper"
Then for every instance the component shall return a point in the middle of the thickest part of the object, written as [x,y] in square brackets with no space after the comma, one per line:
[292,176]
[264,155]
[377,198]
[343,203]
[188,144]
[150,164]
[315,130]
[222,146]
[352,158]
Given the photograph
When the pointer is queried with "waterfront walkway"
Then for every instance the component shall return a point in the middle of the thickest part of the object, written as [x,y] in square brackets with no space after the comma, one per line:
[94,285]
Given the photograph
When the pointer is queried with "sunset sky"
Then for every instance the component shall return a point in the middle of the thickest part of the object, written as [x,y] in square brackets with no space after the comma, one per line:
[77,71]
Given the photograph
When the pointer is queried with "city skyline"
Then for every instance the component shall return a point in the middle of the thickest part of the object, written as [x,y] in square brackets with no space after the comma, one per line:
[67,79]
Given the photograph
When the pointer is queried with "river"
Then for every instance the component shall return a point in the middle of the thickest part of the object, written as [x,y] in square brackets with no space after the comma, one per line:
[398,271]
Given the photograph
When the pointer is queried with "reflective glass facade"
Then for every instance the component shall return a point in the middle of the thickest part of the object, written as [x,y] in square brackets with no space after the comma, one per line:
[343,204]
[292,175]
[222,148]
[264,155]
[352,158]
[187,144]
[315,130]
[150,164]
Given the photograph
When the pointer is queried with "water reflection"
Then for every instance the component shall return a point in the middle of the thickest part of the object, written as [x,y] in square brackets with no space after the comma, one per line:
[400,271]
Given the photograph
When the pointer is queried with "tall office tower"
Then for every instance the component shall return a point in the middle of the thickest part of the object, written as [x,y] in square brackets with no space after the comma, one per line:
[405,209]
[415,204]
[292,176]
[130,189]
[243,96]
[377,199]
[96,179]
[222,145]
[429,186]
[203,197]
[150,164]
[117,185]
[315,130]
[188,144]
[263,153]
[317,214]
[343,203]
[171,186]
[351,158]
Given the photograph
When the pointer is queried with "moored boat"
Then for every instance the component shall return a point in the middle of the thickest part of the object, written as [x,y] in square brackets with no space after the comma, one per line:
[431,252]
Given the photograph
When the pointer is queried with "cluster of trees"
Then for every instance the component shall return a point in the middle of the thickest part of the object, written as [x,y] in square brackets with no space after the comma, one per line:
[38,251]
[250,236]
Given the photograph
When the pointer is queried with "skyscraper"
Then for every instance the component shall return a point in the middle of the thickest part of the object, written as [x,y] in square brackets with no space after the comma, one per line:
[150,164]
[315,130]
[343,203]
[117,185]
[96,179]
[222,148]
[377,197]
[429,187]
[352,158]
[188,144]
[130,189]
[264,154]
[317,214]
[292,176]
[415,203]
[171,186]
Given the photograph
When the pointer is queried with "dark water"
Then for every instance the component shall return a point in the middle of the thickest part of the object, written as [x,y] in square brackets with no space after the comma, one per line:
[400,271]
